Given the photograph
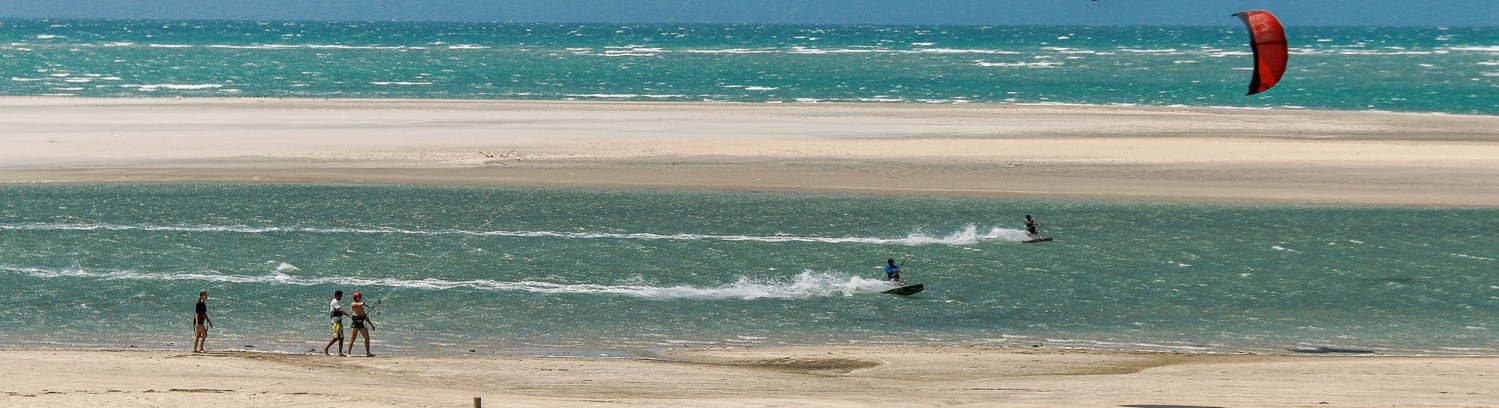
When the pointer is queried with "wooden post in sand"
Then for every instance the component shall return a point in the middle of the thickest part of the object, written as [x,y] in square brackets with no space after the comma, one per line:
[478,403]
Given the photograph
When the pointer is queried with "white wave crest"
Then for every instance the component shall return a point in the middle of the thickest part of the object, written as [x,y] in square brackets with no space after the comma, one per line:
[153,87]
[805,285]
[283,267]
[1375,52]
[1471,257]
[822,51]
[1487,48]
[1042,64]
[733,51]
[958,51]
[968,235]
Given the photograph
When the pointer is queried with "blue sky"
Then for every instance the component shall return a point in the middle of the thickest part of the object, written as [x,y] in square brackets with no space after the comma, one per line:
[1105,12]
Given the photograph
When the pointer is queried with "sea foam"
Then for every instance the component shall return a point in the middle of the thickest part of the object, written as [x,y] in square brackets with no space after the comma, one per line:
[968,235]
[804,285]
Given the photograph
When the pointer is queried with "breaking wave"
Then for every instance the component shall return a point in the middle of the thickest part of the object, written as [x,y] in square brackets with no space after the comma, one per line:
[968,235]
[807,284]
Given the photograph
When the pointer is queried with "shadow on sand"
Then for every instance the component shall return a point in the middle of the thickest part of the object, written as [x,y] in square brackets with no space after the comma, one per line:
[1168,406]
[1330,350]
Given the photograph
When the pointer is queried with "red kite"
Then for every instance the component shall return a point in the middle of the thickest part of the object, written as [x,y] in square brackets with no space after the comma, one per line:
[1268,40]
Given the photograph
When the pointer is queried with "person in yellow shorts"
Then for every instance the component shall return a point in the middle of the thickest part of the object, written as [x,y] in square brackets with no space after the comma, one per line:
[336,314]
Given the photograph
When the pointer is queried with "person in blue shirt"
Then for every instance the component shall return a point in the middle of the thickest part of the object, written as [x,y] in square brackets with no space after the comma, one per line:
[892,271]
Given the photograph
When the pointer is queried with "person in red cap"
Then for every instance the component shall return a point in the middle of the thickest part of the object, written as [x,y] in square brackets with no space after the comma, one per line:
[361,318]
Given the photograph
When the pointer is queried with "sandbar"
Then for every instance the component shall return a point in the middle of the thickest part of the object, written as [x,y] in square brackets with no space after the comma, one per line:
[1002,151]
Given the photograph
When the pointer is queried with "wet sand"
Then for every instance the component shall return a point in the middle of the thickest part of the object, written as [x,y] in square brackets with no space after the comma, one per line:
[806,376]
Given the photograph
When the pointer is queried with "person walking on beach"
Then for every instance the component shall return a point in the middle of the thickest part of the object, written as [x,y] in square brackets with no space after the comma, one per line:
[201,323]
[336,314]
[360,318]
[1030,227]
[892,271]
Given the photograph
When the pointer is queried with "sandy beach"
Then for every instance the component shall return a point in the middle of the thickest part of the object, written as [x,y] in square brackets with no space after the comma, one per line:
[815,376]
[1113,153]
[1048,152]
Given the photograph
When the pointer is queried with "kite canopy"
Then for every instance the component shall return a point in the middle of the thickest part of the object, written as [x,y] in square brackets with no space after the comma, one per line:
[1268,40]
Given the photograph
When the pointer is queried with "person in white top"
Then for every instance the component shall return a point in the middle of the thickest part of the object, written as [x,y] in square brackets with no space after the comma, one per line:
[336,314]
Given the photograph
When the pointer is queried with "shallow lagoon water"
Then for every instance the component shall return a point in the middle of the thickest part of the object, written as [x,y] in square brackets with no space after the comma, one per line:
[537,271]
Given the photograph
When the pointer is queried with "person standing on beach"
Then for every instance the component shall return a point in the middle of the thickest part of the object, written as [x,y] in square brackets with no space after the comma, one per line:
[361,318]
[336,313]
[201,323]
[1030,227]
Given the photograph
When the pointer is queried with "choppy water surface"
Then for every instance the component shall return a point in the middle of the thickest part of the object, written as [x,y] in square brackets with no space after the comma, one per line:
[1435,69]
[542,270]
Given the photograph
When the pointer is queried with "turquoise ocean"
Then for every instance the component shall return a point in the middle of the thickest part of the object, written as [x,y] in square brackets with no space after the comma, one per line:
[1411,69]
[586,272]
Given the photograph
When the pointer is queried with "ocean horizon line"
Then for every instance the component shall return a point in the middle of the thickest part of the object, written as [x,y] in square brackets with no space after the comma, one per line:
[1228,24]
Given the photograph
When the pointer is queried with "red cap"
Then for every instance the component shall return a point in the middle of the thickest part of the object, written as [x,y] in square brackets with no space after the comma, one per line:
[357,295]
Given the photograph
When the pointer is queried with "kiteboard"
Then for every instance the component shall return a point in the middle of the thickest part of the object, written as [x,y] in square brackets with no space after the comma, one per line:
[1032,241]
[906,290]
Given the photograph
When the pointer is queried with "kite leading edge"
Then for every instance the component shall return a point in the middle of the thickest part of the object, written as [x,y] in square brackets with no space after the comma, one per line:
[1268,40]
